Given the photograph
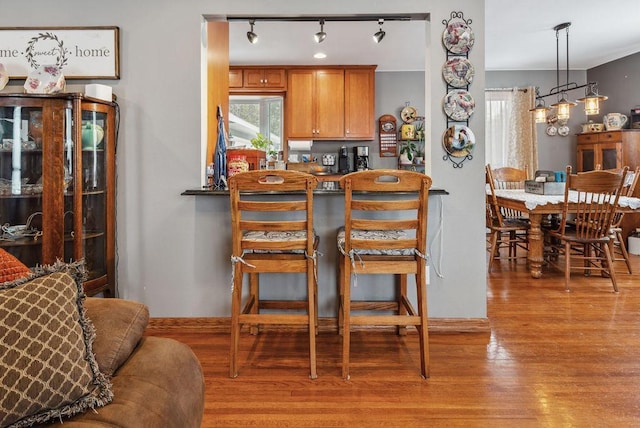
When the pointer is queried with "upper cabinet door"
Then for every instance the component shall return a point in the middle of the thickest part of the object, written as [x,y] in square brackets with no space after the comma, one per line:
[359,102]
[329,93]
[269,78]
[299,106]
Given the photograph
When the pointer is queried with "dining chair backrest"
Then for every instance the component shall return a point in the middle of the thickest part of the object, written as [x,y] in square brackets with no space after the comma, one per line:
[597,195]
[509,177]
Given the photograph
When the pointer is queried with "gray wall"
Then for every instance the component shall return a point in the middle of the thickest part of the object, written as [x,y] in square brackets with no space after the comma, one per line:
[620,81]
[169,252]
[554,153]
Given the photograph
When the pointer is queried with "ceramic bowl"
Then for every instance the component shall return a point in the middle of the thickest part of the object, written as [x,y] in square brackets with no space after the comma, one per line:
[46,79]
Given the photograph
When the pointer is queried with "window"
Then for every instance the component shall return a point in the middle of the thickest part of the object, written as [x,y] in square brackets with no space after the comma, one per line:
[510,132]
[253,114]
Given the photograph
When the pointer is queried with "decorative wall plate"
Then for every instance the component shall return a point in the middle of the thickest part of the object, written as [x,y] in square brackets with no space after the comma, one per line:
[458,72]
[458,141]
[458,37]
[563,131]
[551,130]
[459,105]
[408,114]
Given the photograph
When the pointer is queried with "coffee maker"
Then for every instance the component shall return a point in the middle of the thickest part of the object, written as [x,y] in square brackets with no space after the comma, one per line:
[361,158]
[343,161]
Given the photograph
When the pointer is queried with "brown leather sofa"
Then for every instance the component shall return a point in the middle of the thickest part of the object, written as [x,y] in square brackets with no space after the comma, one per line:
[157,382]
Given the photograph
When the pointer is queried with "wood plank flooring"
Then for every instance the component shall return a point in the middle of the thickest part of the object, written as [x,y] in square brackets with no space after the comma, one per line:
[552,359]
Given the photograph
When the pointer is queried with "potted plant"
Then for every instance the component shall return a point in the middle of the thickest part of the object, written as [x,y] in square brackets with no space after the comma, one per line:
[262,143]
[407,152]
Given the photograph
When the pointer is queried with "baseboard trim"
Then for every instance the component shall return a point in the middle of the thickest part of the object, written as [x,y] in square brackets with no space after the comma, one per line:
[221,325]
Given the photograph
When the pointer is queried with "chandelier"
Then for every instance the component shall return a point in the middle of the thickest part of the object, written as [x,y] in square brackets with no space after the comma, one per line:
[591,99]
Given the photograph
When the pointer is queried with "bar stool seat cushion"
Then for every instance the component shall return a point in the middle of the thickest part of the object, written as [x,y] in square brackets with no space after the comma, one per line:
[389,235]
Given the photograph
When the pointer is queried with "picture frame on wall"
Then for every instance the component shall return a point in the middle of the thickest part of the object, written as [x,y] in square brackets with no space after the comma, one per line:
[81,52]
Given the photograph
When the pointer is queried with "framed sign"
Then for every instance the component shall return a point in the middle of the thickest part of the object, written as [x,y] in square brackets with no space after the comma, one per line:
[81,52]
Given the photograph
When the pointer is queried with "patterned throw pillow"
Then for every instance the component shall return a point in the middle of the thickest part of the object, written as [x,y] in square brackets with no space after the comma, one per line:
[11,268]
[49,371]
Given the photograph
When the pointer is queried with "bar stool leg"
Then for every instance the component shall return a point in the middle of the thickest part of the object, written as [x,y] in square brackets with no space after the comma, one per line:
[236,301]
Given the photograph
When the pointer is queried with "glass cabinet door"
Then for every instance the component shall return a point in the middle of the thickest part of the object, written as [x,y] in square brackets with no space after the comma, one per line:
[95,131]
[21,182]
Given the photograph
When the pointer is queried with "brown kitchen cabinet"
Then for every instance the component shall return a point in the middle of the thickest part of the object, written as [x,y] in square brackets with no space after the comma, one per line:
[57,188]
[612,150]
[359,103]
[257,79]
[315,104]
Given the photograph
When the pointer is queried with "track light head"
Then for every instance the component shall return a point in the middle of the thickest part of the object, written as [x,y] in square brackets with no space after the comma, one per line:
[251,36]
[379,35]
[320,35]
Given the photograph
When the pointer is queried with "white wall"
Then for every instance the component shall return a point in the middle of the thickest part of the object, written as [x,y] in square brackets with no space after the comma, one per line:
[166,256]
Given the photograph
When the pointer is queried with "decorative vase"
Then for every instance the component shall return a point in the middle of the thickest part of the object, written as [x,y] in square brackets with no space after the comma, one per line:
[404,159]
[92,136]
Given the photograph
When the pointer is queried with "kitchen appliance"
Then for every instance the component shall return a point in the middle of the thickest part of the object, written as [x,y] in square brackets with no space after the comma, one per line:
[361,158]
[343,161]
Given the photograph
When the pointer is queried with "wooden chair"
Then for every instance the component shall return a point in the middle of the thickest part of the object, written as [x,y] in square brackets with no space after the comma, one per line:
[384,234]
[510,178]
[618,248]
[588,240]
[272,232]
[504,232]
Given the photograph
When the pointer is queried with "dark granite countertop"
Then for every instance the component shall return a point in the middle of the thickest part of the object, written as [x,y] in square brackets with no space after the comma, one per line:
[324,188]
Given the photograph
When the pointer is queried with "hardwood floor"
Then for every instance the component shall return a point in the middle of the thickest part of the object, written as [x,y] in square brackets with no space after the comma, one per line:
[552,359]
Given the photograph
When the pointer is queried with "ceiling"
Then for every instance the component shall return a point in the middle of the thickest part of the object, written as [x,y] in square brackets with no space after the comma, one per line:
[517,37]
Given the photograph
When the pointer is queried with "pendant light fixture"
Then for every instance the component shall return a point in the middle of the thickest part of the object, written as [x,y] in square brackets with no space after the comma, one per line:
[253,37]
[540,110]
[379,35]
[592,100]
[563,106]
[320,35]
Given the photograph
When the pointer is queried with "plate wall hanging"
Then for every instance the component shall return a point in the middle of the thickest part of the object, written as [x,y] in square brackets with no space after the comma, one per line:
[458,141]
[458,72]
[458,37]
[459,105]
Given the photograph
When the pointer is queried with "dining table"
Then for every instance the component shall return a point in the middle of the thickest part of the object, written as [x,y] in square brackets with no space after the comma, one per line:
[539,207]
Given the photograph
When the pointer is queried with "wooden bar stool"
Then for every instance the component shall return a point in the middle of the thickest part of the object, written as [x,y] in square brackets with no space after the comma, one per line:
[385,232]
[272,232]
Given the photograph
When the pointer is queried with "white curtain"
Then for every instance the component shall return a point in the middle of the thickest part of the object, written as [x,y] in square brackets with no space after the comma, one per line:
[511,138]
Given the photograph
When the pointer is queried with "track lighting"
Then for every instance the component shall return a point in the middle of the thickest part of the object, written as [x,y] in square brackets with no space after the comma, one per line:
[320,35]
[253,37]
[379,35]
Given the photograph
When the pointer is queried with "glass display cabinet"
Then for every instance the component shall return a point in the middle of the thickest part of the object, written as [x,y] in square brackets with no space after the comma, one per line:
[57,183]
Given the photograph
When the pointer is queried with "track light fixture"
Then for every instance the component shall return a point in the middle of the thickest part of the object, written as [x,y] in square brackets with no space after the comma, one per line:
[320,35]
[379,35]
[253,37]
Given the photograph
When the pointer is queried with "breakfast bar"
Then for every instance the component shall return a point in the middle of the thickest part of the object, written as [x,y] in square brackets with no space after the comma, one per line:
[328,217]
